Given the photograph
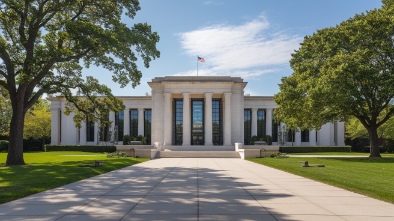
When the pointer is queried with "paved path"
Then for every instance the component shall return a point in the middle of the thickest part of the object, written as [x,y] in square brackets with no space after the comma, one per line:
[197,189]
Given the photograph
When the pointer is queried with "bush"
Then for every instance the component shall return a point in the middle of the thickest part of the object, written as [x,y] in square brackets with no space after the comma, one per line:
[117,154]
[84,148]
[126,139]
[3,145]
[388,146]
[312,149]
[359,144]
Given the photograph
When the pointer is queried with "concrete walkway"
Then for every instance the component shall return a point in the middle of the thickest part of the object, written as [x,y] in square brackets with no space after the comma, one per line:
[197,189]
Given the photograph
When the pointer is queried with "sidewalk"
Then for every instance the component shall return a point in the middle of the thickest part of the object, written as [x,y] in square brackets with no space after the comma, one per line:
[197,189]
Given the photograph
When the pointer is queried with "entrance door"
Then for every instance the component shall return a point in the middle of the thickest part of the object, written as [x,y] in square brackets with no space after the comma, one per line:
[197,122]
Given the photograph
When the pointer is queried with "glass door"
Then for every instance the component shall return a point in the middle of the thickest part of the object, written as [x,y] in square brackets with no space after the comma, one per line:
[197,122]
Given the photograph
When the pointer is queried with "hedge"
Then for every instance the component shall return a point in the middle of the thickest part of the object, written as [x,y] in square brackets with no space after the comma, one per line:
[311,149]
[85,148]
[3,145]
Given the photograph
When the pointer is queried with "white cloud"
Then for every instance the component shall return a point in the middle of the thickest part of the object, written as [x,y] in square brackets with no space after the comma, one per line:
[215,3]
[248,50]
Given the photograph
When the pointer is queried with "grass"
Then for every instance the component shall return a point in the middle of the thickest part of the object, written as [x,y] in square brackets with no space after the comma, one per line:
[47,170]
[368,176]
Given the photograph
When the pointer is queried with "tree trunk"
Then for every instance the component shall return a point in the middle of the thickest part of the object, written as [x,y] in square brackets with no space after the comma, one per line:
[15,150]
[374,144]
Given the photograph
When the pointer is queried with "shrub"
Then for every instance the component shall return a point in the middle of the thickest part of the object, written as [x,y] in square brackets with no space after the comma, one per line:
[3,145]
[126,139]
[311,149]
[117,154]
[388,146]
[85,148]
[278,155]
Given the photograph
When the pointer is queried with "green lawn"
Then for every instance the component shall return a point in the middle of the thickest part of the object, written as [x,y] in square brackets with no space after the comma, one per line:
[47,170]
[370,177]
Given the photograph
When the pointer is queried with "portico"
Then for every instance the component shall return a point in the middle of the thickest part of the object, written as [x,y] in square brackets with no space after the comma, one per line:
[202,111]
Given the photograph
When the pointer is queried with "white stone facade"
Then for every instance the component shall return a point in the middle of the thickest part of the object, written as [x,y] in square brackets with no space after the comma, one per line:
[193,111]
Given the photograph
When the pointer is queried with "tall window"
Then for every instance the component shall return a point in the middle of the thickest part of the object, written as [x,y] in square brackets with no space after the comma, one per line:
[119,123]
[104,128]
[305,135]
[261,123]
[134,123]
[89,130]
[291,135]
[217,122]
[148,126]
[197,122]
[275,127]
[178,122]
[247,126]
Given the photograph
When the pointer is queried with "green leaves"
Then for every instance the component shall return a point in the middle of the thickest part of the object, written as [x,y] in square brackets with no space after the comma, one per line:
[340,71]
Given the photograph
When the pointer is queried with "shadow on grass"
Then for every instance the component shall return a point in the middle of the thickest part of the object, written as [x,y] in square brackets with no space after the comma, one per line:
[362,159]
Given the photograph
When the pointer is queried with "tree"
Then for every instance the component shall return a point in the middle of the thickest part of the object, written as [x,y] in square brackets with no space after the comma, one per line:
[355,129]
[44,45]
[5,112]
[347,70]
[38,122]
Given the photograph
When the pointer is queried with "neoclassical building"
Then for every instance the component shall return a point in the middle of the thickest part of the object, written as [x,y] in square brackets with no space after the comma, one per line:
[193,111]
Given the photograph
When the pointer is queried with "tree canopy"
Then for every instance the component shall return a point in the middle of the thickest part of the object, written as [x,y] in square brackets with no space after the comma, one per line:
[38,121]
[45,44]
[347,70]
[5,112]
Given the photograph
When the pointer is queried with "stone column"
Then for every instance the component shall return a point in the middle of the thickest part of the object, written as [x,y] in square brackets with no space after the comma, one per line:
[111,116]
[141,121]
[312,137]
[96,132]
[82,133]
[55,127]
[167,119]
[126,121]
[297,138]
[208,119]
[186,120]
[340,133]
[268,121]
[254,122]
[227,119]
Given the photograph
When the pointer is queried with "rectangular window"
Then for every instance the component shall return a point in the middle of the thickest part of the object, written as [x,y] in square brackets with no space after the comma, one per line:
[247,126]
[104,128]
[134,123]
[148,125]
[291,135]
[261,123]
[305,135]
[177,122]
[197,122]
[119,123]
[217,122]
[275,127]
[89,130]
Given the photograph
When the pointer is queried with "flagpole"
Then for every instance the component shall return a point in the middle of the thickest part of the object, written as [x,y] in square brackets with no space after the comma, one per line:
[197,65]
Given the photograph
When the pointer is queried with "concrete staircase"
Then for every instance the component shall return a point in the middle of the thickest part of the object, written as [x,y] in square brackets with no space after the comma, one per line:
[197,154]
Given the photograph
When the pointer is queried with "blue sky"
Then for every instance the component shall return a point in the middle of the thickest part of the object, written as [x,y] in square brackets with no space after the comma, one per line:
[252,39]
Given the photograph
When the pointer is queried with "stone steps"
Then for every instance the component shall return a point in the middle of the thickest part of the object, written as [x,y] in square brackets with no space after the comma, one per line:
[197,154]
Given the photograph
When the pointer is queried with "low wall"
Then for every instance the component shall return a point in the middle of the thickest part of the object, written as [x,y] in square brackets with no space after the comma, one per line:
[254,151]
[142,151]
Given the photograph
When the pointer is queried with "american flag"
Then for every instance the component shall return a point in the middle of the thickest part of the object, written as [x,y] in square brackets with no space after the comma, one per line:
[200,59]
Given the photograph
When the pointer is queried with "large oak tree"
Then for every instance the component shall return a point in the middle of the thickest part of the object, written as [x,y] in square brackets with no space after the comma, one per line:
[347,70]
[44,44]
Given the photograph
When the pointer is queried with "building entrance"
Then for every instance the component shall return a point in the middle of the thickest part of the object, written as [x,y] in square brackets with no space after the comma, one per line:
[197,122]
